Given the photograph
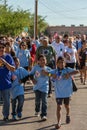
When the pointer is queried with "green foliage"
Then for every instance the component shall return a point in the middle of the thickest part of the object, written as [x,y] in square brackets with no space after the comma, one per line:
[13,22]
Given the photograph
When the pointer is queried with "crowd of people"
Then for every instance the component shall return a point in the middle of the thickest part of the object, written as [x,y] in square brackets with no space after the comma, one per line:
[46,62]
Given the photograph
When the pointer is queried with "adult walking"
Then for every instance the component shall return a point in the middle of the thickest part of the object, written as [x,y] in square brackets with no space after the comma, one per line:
[6,66]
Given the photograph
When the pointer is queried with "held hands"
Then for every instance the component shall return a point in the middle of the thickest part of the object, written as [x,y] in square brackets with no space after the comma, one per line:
[66,76]
[44,72]
[34,81]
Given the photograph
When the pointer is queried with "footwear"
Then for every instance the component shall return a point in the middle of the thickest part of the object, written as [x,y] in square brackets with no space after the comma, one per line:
[81,80]
[14,117]
[57,126]
[84,83]
[5,118]
[19,115]
[67,119]
[37,114]
[44,118]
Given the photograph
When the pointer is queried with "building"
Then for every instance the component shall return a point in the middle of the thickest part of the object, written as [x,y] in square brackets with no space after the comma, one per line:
[71,30]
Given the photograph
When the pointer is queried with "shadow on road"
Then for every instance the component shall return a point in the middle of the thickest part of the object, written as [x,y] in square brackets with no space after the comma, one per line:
[50,127]
[17,122]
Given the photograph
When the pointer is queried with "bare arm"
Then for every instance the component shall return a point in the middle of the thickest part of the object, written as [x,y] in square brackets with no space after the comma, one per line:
[9,67]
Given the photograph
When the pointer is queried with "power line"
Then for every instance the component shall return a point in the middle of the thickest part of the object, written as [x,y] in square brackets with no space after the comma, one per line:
[68,11]
[52,9]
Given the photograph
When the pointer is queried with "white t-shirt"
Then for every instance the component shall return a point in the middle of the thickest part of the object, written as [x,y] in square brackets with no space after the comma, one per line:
[59,48]
[72,52]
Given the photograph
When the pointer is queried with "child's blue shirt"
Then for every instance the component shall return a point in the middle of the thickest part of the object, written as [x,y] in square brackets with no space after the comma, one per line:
[63,87]
[42,80]
[17,88]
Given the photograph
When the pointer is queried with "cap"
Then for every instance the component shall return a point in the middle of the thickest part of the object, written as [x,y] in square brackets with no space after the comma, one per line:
[45,38]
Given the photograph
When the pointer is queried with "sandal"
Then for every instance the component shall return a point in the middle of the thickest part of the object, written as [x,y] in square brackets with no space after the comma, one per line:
[57,126]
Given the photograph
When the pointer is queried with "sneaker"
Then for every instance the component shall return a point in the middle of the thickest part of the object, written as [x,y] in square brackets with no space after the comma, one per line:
[14,117]
[19,115]
[44,118]
[84,83]
[67,119]
[37,114]
[5,118]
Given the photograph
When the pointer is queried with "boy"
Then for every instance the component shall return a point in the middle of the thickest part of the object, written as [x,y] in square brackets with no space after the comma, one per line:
[63,88]
[41,87]
[17,91]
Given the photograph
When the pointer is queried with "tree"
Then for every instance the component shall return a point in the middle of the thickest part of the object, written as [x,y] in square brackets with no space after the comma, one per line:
[13,22]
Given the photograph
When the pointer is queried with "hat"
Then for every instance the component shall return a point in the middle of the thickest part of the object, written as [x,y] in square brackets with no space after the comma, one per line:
[45,38]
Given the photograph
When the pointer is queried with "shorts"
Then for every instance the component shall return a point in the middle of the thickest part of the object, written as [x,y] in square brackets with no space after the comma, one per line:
[63,100]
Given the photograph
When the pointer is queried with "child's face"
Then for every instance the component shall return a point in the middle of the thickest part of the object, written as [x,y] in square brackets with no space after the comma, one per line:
[61,64]
[42,61]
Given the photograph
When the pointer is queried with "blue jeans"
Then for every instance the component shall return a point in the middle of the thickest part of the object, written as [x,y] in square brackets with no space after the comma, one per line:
[6,101]
[17,104]
[41,97]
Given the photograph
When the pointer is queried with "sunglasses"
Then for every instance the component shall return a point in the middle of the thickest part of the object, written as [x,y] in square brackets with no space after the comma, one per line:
[23,45]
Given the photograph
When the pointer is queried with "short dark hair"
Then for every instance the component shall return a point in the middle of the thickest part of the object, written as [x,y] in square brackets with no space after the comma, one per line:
[65,35]
[15,58]
[41,56]
[60,58]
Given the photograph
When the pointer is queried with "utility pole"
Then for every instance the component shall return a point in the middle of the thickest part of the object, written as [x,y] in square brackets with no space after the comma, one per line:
[35,19]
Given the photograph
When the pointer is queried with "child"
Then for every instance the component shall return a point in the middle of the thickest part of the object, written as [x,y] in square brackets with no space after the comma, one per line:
[41,87]
[19,76]
[63,88]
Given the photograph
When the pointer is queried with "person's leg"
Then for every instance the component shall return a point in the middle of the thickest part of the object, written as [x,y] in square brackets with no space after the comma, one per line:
[14,106]
[6,102]
[50,88]
[58,112]
[20,105]
[14,101]
[67,107]
[37,100]
[1,100]
[44,105]
[81,76]
[59,107]
[84,75]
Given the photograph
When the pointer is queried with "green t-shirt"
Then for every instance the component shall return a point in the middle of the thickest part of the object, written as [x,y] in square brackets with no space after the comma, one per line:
[48,51]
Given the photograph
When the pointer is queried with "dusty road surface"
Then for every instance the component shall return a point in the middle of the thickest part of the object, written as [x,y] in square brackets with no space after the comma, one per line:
[30,122]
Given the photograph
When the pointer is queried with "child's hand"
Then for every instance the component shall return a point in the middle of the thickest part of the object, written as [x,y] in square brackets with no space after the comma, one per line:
[66,76]
[54,76]
[44,72]
[2,61]
[20,81]
[13,77]
[34,81]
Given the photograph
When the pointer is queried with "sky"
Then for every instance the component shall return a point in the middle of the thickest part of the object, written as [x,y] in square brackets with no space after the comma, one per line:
[55,12]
